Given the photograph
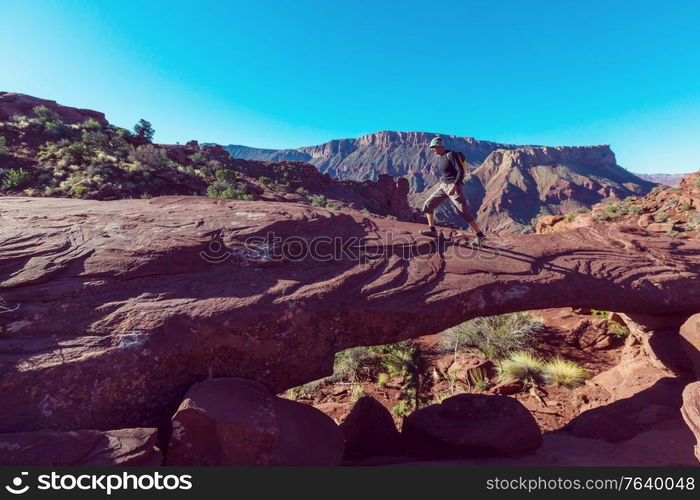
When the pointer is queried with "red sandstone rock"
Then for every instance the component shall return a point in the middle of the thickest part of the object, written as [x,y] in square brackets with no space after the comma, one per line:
[85,448]
[691,411]
[370,431]
[469,425]
[118,307]
[237,422]
[13,103]
[690,334]
[507,388]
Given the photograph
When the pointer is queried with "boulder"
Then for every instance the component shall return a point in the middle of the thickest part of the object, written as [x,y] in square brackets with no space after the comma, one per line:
[690,341]
[238,422]
[370,431]
[691,412]
[660,227]
[468,425]
[84,448]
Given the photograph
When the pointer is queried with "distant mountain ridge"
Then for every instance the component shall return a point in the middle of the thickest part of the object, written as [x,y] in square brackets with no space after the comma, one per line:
[509,187]
[666,179]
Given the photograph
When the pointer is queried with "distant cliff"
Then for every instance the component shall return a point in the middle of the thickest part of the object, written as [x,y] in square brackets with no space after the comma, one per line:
[511,185]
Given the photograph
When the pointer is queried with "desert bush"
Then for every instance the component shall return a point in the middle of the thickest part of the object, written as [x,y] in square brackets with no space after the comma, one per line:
[600,314]
[302,191]
[684,207]
[227,191]
[144,130]
[318,200]
[49,121]
[582,210]
[402,409]
[617,330]
[661,217]
[606,217]
[78,189]
[225,175]
[635,209]
[697,181]
[382,379]
[523,366]
[494,336]
[570,217]
[656,189]
[90,124]
[3,146]
[564,373]
[265,181]
[478,379]
[150,156]
[672,233]
[14,178]
[354,363]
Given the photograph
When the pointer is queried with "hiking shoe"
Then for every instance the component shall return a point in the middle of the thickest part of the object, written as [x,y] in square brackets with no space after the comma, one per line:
[429,232]
[478,240]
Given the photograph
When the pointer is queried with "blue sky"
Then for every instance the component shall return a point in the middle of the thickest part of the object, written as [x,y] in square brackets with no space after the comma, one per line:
[289,74]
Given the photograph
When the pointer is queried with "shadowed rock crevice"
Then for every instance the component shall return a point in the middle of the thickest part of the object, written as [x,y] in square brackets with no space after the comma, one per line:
[123,305]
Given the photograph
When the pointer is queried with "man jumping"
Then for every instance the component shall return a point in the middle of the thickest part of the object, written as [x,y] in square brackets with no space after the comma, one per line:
[452,167]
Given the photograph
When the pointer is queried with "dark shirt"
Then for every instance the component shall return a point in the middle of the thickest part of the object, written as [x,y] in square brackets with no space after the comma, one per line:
[451,165]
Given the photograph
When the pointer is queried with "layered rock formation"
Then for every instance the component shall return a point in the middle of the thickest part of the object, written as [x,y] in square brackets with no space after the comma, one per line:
[14,103]
[114,309]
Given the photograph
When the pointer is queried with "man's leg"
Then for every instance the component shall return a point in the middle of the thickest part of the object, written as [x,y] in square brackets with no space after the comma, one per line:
[460,203]
[433,201]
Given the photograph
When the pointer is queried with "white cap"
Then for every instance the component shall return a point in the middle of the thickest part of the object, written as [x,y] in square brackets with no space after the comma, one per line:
[437,141]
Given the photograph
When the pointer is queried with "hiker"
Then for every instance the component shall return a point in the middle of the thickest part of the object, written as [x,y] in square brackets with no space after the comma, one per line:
[452,167]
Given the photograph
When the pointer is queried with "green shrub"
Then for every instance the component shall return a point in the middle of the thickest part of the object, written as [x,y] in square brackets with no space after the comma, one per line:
[402,409]
[600,314]
[354,363]
[226,191]
[606,217]
[265,181]
[225,175]
[494,336]
[382,379]
[697,181]
[303,191]
[151,156]
[570,217]
[522,366]
[318,200]
[564,373]
[478,379]
[3,146]
[582,210]
[144,130]
[661,217]
[635,209]
[617,330]
[14,178]
[616,209]
[197,158]
[672,233]
[656,189]
[684,207]
[630,199]
[90,124]
[78,189]
[49,120]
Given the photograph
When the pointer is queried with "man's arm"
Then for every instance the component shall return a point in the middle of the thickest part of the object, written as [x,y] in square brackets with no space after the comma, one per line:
[457,159]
